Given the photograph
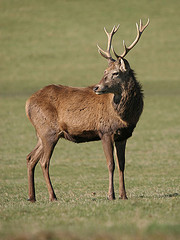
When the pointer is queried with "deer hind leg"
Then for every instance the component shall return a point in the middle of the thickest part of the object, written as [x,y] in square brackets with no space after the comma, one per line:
[108,150]
[32,160]
[120,152]
[49,142]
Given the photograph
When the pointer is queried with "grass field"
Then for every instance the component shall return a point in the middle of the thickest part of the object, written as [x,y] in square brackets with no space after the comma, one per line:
[44,42]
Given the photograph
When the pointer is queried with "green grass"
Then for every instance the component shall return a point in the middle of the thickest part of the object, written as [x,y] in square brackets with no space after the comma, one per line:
[44,42]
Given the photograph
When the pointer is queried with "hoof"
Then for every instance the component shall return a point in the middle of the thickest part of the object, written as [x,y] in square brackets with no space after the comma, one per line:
[123,197]
[53,199]
[31,200]
[111,197]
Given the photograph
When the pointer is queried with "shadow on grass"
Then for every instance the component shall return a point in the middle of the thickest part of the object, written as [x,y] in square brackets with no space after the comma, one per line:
[170,195]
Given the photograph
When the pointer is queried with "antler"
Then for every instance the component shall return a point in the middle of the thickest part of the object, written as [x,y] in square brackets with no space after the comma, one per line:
[140,30]
[106,54]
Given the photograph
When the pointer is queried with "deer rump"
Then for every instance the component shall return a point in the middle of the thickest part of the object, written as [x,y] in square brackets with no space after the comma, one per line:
[76,114]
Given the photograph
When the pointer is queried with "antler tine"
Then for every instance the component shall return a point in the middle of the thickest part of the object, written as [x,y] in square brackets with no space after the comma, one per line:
[117,56]
[107,53]
[140,30]
[140,23]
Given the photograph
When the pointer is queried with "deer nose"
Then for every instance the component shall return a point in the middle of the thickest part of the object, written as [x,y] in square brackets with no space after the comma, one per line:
[95,88]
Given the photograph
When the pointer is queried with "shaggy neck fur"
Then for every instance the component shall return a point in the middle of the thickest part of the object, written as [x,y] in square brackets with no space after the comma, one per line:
[129,103]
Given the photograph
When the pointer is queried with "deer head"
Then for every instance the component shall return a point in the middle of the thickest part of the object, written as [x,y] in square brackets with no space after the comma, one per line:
[119,69]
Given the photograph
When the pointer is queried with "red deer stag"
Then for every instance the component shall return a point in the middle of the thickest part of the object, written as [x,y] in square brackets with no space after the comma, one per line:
[108,111]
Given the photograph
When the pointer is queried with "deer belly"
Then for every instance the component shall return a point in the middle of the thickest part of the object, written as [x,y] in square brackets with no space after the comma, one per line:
[85,136]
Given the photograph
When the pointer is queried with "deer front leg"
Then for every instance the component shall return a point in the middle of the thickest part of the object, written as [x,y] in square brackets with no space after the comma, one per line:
[108,150]
[120,151]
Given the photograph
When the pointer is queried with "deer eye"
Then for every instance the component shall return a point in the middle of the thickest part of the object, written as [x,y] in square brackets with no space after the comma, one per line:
[115,74]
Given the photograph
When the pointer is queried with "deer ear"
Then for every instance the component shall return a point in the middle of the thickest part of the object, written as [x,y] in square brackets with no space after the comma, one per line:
[122,65]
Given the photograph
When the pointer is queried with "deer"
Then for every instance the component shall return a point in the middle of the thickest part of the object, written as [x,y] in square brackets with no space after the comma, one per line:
[107,111]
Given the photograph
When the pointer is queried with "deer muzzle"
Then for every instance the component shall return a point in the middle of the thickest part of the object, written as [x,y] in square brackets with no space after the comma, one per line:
[99,89]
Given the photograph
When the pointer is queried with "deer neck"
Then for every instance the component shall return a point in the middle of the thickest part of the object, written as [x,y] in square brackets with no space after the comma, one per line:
[128,103]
